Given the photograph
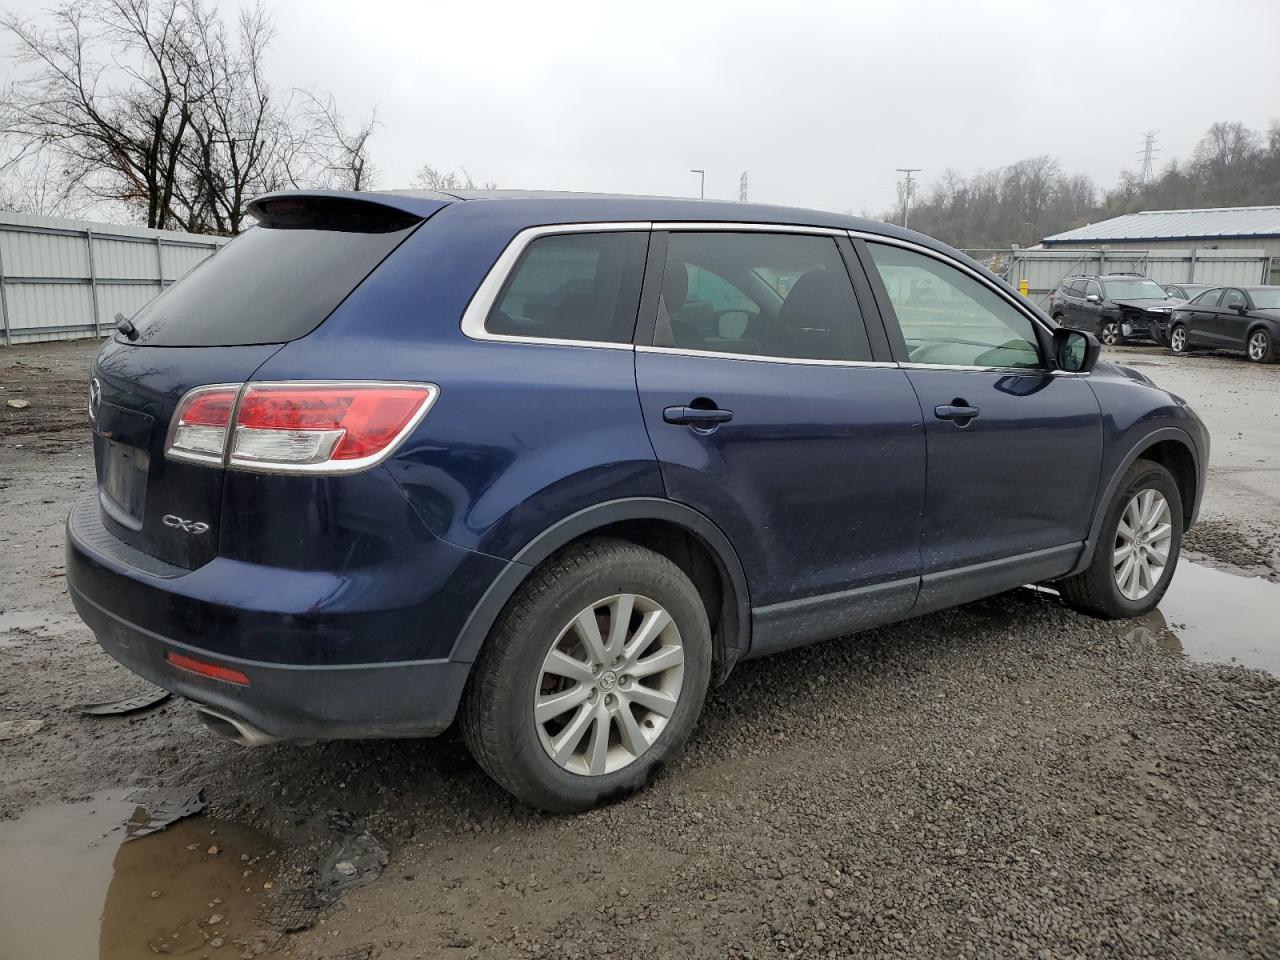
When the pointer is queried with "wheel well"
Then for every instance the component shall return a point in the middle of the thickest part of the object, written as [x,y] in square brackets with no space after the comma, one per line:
[699,562]
[1256,327]
[1177,459]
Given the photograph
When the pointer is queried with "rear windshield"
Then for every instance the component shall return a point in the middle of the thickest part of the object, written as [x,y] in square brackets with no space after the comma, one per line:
[1135,290]
[276,282]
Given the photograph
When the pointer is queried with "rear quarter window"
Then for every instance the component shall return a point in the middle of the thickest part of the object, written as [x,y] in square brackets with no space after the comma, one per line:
[573,286]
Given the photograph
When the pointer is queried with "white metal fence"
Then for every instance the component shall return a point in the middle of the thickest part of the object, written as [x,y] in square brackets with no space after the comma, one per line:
[63,279]
[1044,269]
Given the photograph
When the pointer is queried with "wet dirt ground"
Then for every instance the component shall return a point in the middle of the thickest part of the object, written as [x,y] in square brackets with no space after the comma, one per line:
[1007,779]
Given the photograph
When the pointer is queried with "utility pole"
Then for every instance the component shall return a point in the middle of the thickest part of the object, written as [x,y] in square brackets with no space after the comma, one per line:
[906,193]
[742,187]
[702,183]
[1147,153]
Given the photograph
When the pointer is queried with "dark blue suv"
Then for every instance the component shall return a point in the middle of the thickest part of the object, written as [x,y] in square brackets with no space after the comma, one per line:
[553,464]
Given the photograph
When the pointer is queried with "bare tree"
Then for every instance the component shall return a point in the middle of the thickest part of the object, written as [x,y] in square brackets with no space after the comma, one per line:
[331,154]
[157,105]
[431,178]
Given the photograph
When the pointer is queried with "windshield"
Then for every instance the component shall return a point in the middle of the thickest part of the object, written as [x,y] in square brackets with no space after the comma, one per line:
[1136,289]
[1268,298]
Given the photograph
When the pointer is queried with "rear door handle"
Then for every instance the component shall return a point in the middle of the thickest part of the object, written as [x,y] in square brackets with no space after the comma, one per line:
[696,415]
[956,412]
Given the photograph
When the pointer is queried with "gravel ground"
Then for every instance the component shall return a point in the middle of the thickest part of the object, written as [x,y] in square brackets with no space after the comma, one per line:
[1003,780]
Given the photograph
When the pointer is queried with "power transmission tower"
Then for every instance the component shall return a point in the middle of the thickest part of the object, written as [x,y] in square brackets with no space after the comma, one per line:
[1147,153]
[742,187]
[907,189]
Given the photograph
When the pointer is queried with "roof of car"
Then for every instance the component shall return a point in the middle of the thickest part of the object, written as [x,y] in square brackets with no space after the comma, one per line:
[645,207]
[549,207]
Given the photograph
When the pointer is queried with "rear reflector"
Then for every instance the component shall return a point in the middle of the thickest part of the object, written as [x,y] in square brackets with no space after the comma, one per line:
[298,427]
[212,670]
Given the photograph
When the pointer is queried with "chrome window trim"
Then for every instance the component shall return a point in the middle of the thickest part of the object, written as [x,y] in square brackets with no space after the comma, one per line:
[486,295]
[735,227]
[801,361]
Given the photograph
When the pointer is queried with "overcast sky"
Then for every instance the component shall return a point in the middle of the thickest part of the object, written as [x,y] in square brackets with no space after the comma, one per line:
[819,101]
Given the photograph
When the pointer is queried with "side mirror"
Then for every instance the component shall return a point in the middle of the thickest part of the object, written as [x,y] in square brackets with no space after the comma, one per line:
[1092,298]
[1074,350]
[1240,308]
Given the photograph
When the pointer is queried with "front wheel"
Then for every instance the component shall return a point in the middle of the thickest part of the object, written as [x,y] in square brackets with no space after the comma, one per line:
[1110,333]
[1261,347]
[592,679]
[1178,341]
[1137,549]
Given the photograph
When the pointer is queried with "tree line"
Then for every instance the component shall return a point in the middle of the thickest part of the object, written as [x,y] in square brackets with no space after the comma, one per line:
[1029,200]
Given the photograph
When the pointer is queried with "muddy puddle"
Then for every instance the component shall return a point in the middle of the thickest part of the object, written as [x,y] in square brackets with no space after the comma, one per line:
[1215,616]
[72,889]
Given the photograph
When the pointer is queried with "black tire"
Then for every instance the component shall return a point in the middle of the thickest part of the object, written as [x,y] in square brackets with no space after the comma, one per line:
[1178,340]
[1109,333]
[1094,590]
[497,718]
[1267,354]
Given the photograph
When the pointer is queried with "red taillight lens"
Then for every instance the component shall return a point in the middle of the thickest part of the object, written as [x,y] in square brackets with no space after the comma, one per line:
[201,422]
[339,426]
[298,427]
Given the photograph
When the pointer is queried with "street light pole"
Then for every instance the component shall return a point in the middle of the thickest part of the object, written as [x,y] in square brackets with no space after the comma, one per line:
[906,199]
[702,183]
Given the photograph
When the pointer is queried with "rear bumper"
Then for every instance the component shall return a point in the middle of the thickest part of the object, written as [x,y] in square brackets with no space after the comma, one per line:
[141,612]
[336,702]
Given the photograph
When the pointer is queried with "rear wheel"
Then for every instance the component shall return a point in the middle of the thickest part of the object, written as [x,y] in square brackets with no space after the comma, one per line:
[1261,347]
[1137,549]
[1110,333]
[1178,341]
[593,678]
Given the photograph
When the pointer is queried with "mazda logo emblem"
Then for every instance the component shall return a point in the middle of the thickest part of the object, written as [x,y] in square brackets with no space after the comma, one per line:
[95,398]
[186,526]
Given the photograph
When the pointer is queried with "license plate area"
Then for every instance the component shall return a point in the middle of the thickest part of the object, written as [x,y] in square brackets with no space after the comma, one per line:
[123,463]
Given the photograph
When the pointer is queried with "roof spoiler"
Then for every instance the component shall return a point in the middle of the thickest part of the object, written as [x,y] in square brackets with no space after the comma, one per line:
[341,210]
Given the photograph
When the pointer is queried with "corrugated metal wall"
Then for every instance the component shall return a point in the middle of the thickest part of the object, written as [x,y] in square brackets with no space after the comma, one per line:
[1044,269]
[62,279]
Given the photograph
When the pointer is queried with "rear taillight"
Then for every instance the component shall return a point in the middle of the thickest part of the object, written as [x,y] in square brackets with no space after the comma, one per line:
[201,423]
[297,427]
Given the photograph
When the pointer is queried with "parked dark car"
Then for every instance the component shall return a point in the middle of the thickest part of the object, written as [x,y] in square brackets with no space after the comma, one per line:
[1115,307]
[553,464]
[1185,291]
[1246,319]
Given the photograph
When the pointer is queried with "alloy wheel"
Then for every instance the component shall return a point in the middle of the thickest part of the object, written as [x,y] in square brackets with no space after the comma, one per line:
[1178,340]
[1110,334]
[1143,540]
[1257,346]
[609,684]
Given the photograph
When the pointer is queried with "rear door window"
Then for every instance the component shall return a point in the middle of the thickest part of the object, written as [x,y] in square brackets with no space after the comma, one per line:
[277,281]
[774,295]
[574,286]
[1207,299]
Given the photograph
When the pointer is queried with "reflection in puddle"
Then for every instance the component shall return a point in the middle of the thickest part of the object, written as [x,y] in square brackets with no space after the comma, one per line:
[71,888]
[1220,617]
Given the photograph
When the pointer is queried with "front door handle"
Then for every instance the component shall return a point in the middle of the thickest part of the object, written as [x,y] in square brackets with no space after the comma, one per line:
[957,411]
[696,416]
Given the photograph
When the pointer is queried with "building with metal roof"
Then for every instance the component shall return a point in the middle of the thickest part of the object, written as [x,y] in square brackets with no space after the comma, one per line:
[1221,228]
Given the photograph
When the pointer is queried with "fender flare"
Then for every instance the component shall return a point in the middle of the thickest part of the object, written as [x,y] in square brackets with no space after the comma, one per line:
[737,638]
[1146,442]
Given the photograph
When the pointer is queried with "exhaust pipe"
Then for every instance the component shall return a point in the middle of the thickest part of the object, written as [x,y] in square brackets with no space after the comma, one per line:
[233,728]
